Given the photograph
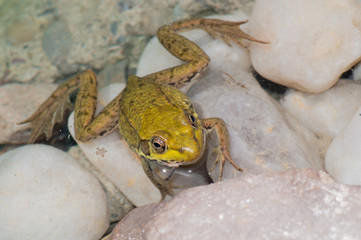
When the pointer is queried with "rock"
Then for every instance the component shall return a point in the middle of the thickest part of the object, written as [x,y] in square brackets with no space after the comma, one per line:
[45,194]
[357,74]
[262,138]
[18,102]
[327,113]
[113,157]
[309,48]
[131,226]
[343,157]
[57,42]
[118,204]
[112,73]
[275,205]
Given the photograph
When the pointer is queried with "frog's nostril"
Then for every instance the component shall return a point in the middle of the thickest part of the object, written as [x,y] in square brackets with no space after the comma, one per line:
[181,150]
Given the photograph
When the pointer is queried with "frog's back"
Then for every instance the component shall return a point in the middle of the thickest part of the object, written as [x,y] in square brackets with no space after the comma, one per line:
[146,105]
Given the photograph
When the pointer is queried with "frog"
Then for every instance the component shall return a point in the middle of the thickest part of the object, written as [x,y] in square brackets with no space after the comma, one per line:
[157,120]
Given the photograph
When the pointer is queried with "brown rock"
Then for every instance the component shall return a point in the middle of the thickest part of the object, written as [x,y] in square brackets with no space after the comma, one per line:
[18,102]
[299,204]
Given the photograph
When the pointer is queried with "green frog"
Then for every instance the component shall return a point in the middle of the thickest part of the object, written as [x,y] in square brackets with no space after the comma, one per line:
[158,121]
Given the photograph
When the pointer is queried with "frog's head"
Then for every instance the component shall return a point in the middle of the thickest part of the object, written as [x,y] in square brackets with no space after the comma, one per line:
[173,138]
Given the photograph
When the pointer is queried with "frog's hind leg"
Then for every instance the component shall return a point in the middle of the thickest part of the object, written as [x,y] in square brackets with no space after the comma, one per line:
[223,152]
[196,59]
[226,30]
[52,110]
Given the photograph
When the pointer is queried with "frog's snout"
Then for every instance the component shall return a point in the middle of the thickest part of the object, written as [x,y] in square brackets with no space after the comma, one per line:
[192,152]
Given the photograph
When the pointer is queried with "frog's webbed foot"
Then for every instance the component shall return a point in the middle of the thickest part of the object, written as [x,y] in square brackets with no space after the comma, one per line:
[48,114]
[221,160]
[228,31]
[53,110]
[222,150]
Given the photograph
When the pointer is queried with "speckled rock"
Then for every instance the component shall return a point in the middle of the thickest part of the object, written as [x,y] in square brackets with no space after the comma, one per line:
[18,102]
[46,194]
[309,47]
[300,204]
[92,33]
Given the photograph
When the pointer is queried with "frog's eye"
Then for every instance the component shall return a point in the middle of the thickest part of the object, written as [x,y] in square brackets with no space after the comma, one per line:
[158,144]
[192,120]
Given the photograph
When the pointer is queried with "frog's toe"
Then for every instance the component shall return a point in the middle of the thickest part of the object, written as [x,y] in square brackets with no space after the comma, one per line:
[44,119]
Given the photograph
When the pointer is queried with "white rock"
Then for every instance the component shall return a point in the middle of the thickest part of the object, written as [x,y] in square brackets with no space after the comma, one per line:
[113,157]
[343,158]
[312,42]
[45,194]
[327,113]
[261,138]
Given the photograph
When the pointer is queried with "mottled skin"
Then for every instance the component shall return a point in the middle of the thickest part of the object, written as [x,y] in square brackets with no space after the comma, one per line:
[156,119]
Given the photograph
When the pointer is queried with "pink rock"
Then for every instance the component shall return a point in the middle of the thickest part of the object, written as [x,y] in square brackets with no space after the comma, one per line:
[299,204]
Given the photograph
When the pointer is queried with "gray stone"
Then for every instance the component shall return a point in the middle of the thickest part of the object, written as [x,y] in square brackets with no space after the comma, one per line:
[57,42]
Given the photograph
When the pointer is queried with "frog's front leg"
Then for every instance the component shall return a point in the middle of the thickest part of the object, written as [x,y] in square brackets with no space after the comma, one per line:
[223,148]
[86,126]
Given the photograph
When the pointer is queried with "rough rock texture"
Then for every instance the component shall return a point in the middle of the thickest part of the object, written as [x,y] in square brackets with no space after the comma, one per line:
[299,204]
[343,157]
[18,102]
[46,194]
[42,40]
[309,47]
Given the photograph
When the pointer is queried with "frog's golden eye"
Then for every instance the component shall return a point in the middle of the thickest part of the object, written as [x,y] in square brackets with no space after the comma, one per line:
[158,144]
[192,120]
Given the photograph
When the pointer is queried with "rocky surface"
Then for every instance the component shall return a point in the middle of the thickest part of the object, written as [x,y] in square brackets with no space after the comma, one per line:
[309,47]
[18,102]
[299,204]
[46,194]
[42,40]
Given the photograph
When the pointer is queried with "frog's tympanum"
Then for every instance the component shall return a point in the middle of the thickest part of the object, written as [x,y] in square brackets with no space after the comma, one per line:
[157,120]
